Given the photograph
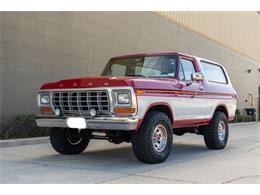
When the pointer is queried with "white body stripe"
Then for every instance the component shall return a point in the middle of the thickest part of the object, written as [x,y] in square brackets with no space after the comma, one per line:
[187,108]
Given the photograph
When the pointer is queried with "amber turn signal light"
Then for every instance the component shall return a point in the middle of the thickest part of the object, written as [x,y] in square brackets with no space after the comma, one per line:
[46,109]
[124,110]
[139,92]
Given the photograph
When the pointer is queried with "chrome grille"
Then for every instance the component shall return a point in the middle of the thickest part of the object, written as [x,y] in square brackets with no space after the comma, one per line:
[80,102]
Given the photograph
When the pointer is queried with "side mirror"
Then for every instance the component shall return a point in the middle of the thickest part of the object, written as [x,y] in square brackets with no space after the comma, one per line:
[197,76]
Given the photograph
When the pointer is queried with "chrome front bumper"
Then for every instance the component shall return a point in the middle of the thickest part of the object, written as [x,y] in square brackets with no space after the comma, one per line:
[99,123]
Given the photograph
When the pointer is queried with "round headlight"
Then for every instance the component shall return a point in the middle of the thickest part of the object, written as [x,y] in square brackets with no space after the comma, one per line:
[45,99]
[123,98]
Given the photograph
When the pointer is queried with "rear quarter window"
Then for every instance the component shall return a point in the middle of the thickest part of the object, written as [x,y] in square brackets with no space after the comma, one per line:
[213,72]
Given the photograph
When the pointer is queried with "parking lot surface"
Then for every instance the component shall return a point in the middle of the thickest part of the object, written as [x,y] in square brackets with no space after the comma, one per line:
[189,162]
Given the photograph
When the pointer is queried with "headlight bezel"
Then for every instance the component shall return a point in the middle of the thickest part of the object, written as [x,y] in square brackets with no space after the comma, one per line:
[121,92]
[41,96]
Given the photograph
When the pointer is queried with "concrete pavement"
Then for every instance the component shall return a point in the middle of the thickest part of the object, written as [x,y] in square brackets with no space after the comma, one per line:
[189,162]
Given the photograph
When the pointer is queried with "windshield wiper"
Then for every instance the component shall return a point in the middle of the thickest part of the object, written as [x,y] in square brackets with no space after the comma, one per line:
[136,75]
[160,76]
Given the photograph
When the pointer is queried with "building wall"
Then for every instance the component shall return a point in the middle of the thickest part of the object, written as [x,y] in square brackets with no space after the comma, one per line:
[227,28]
[38,47]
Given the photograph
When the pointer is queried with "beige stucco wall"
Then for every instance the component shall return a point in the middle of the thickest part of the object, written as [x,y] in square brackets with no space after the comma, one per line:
[38,47]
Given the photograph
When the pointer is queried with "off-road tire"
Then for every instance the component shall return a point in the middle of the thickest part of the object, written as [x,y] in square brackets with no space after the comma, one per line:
[61,144]
[142,139]
[211,137]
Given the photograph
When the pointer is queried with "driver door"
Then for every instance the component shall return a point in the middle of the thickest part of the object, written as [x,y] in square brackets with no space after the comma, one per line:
[190,104]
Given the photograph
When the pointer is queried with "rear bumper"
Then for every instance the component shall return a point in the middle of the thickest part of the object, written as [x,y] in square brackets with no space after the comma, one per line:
[99,123]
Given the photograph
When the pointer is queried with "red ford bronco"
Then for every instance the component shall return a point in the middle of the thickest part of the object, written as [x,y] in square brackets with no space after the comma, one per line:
[143,99]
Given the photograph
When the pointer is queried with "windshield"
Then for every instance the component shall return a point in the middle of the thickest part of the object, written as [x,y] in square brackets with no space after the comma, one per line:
[144,66]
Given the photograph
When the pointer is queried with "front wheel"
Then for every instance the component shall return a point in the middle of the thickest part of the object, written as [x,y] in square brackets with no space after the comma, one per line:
[68,141]
[153,141]
[216,133]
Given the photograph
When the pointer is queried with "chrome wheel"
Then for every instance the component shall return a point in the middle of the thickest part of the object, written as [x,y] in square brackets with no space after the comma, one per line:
[159,138]
[73,137]
[221,131]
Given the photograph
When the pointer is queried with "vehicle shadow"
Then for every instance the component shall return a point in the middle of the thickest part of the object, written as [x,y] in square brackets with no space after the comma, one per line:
[120,159]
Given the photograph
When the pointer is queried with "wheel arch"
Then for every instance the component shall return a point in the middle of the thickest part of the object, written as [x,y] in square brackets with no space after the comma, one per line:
[222,108]
[162,107]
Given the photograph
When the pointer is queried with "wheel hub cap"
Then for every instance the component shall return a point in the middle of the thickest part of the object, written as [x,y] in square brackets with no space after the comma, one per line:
[159,138]
[221,131]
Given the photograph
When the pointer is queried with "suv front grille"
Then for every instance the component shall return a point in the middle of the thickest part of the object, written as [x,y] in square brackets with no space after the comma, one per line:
[80,102]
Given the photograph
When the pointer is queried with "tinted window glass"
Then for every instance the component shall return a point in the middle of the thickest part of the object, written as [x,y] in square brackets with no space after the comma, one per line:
[213,72]
[188,68]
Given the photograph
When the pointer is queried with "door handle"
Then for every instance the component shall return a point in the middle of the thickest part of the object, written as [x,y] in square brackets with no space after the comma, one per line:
[180,85]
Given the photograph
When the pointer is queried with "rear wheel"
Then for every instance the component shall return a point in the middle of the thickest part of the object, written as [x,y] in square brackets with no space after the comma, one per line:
[153,141]
[68,141]
[216,133]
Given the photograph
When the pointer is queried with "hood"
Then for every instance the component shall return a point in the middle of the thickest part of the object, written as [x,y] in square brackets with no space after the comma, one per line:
[94,82]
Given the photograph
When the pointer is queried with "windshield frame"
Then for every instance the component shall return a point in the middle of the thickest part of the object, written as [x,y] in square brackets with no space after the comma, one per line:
[108,65]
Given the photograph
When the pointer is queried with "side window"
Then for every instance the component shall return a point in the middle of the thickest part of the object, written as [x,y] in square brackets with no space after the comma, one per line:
[188,69]
[118,69]
[213,72]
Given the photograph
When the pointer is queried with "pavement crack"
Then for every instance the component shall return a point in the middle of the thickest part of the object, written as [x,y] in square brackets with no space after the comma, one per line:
[238,178]
[151,177]
[169,179]
[115,178]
